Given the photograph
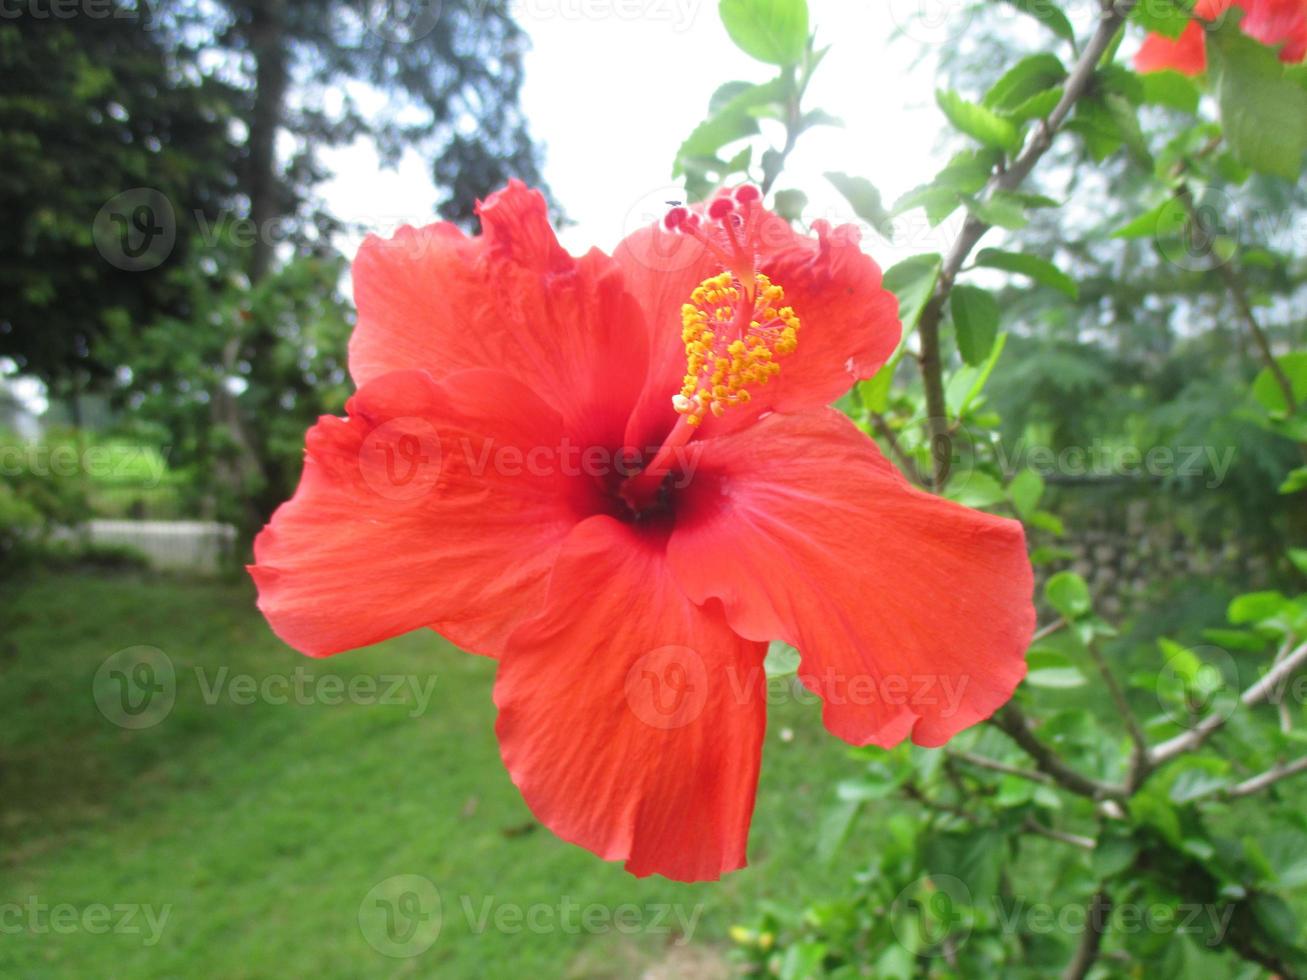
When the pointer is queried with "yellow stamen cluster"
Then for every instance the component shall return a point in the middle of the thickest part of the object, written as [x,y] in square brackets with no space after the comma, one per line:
[733,337]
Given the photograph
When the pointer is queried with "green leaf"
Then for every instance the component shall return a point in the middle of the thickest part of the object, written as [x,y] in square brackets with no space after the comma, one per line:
[1099,126]
[782,660]
[1116,851]
[938,202]
[1245,640]
[834,828]
[1295,482]
[818,117]
[978,122]
[1148,223]
[1068,594]
[1255,607]
[712,134]
[965,386]
[726,93]
[1053,670]
[913,282]
[873,786]
[864,199]
[975,317]
[1261,109]
[774,31]
[1029,77]
[1127,121]
[1032,266]
[1026,490]
[968,171]
[1171,89]
[1194,777]
[1266,387]
[1151,807]
[1036,107]
[790,204]
[1049,15]
[1299,558]
[979,490]
[975,856]
[1165,17]
[1277,917]
[1002,209]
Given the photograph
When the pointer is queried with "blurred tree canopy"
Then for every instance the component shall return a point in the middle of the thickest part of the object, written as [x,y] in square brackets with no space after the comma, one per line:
[161,206]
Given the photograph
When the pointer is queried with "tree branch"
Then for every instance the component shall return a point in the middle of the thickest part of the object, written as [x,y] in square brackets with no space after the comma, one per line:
[1139,756]
[906,462]
[1271,776]
[1046,631]
[1077,84]
[1256,693]
[983,762]
[1097,914]
[1013,722]
[1075,840]
[1234,285]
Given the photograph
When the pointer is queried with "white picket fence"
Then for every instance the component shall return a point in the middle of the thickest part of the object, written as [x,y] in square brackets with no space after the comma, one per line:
[198,546]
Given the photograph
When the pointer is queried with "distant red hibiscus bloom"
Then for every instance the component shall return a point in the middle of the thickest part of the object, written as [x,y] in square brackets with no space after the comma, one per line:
[620,477]
[1280,24]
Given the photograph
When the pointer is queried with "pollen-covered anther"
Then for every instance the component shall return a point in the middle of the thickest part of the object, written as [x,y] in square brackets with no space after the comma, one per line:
[732,342]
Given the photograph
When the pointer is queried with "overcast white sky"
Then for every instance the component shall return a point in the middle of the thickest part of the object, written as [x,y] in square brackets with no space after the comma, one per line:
[614,86]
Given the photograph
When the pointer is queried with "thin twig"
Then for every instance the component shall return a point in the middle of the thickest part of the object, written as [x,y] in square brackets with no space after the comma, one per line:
[1139,761]
[1234,285]
[1012,721]
[1052,833]
[1256,693]
[1044,632]
[984,762]
[1271,776]
[906,462]
[1077,84]
[1282,706]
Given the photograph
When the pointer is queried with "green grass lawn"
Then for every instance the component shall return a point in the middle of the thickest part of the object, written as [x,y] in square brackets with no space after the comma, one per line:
[261,828]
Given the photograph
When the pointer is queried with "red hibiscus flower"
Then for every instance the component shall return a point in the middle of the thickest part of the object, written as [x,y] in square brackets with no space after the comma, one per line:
[620,477]
[1280,24]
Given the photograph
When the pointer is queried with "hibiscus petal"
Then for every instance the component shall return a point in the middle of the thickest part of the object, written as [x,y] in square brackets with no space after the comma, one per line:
[850,323]
[631,719]
[511,300]
[1281,24]
[912,613]
[1186,54]
[435,504]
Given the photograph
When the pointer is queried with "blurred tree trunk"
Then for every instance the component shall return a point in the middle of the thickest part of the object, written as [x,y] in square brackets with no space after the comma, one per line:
[252,341]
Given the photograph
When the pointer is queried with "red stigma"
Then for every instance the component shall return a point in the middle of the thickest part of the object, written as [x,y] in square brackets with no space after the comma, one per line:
[675,218]
[720,208]
[746,193]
